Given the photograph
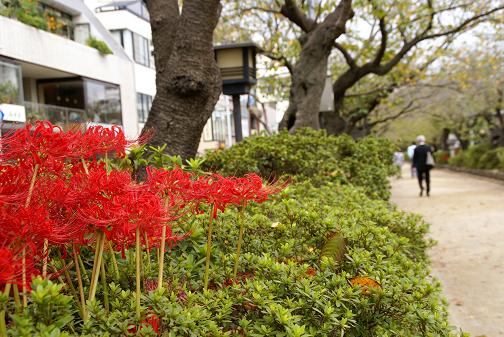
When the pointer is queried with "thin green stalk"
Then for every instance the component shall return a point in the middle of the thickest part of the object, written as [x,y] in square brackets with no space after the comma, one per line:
[208,249]
[3,325]
[105,288]
[100,238]
[138,271]
[85,275]
[45,253]
[161,257]
[23,259]
[68,278]
[79,281]
[23,277]
[148,253]
[240,240]
[114,261]
[17,299]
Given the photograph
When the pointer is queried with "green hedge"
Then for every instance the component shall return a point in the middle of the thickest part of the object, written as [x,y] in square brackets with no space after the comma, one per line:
[292,284]
[313,155]
[301,253]
[481,156]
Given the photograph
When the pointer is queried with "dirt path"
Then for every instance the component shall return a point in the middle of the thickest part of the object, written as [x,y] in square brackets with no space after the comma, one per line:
[467,218]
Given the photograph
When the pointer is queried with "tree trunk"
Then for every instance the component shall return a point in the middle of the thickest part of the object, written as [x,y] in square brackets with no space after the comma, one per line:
[309,73]
[188,79]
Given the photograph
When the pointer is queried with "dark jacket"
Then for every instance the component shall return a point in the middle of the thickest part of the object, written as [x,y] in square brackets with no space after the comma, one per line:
[420,157]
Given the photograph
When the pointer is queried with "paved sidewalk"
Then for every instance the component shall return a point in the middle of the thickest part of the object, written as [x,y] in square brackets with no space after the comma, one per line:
[467,219]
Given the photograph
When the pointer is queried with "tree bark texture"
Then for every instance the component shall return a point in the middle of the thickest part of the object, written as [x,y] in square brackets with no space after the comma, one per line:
[188,79]
[309,73]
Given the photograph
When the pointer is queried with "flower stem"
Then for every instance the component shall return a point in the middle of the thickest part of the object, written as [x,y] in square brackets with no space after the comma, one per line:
[100,238]
[85,166]
[105,288]
[27,203]
[32,185]
[68,278]
[148,253]
[83,269]
[138,257]
[240,240]
[23,277]
[3,326]
[45,253]
[79,281]
[208,248]
[114,261]
[17,299]
[161,257]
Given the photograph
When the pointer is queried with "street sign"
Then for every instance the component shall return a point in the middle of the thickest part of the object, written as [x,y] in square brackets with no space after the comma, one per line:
[13,113]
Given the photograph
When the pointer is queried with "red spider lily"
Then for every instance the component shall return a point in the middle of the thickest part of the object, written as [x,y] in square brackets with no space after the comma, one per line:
[11,267]
[36,143]
[151,320]
[97,191]
[171,184]
[99,140]
[7,266]
[215,190]
[137,209]
[251,188]
[14,184]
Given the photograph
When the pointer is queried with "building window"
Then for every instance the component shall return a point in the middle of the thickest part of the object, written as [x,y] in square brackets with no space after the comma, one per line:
[137,47]
[144,104]
[11,89]
[103,102]
[136,7]
[82,33]
[58,22]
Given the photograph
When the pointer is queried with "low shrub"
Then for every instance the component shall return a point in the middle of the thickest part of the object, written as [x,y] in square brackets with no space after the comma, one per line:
[319,258]
[481,156]
[99,45]
[313,155]
[289,283]
[442,157]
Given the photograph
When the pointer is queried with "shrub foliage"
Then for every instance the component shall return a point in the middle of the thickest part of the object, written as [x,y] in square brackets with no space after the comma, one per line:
[313,155]
[328,256]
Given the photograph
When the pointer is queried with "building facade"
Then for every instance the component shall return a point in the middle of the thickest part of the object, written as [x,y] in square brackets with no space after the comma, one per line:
[89,61]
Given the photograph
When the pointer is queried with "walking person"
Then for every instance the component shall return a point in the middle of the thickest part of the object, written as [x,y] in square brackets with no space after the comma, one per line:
[410,151]
[423,160]
[398,162]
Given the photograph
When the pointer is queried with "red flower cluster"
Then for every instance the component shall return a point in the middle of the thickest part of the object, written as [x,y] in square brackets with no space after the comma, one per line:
[54,192]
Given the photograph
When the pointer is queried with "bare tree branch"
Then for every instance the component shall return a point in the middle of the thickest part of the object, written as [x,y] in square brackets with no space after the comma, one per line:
[292,12]
[383,43]
[348,58]
[280,58]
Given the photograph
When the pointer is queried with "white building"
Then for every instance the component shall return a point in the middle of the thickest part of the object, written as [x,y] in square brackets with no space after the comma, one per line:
[49,71]
[47,67]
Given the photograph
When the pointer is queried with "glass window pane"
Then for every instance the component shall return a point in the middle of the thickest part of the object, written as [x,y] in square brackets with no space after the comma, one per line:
[11,89]
[82,33]
[103,102]
[141,47]
[128,43]
[117,34]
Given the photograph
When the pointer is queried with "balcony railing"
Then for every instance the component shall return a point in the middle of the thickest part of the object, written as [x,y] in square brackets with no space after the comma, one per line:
[67,118]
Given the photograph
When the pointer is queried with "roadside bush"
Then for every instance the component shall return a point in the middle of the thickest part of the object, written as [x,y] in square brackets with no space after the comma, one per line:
[481,156]
[313,155]
[290,283]
[318,257]
[442,157]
